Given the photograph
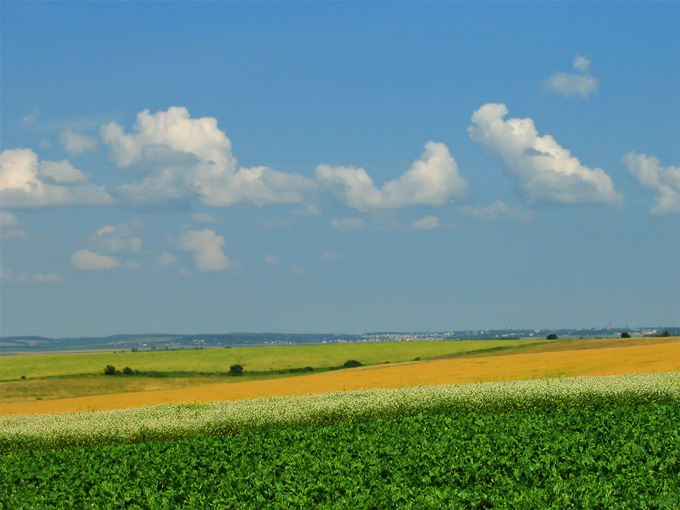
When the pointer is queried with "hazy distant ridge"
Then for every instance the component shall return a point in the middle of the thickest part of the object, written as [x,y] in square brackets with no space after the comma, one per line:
[175,341]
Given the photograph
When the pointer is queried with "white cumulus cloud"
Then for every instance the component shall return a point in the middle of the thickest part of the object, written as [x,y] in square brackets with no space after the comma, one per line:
[85,260]
[271,260]
[426,223]
[77,143]
[431,180]
[497,211]
[27,182]
[545,171]
[205,247]
[192,157]
[648,171]
[583,83]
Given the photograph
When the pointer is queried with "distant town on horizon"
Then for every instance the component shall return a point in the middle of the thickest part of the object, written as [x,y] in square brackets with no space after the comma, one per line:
[166,341]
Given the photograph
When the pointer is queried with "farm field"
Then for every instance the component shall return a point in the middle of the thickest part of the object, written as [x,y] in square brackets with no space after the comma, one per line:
[654,355]
[254,359]
[81,374]
[593,442]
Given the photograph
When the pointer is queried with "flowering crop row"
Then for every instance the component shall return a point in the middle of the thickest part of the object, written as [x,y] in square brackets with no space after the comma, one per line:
[172,421]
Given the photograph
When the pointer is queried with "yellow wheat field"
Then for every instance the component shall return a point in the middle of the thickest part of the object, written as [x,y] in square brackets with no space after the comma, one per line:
[609,361]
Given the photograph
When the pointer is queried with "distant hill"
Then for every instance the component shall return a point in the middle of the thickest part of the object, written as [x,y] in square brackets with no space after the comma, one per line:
[162,341]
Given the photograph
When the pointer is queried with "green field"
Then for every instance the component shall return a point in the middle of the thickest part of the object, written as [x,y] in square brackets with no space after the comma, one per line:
[254,359]
[596,442]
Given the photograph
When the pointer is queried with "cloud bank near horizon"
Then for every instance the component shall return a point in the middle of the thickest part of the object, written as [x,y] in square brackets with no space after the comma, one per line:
[172,156]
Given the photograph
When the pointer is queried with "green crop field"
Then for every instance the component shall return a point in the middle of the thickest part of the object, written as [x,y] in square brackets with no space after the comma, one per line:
[595,442]
[256,359]
[609,457]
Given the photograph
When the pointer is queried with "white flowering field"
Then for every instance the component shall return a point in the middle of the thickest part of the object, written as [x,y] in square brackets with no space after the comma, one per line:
[173,421]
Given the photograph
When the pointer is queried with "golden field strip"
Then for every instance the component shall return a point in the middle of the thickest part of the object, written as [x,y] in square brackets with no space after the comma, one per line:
[557,360]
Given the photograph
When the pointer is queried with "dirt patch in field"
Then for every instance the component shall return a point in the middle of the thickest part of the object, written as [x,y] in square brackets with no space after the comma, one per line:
[657,357]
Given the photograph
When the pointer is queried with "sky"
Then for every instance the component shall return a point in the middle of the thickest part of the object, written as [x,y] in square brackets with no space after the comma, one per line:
[338,167]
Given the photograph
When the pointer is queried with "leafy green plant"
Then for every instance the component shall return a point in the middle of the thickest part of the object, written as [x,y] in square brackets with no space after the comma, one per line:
[109,370]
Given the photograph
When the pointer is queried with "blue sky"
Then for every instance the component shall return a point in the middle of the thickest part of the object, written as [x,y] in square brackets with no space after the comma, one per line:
[338,167]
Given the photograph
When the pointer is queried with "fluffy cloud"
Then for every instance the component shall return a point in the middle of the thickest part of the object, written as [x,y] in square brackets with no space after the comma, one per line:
[426,223]
[205,247]
[174,131]
[497,211]
[348,224]
[192,157]
[120,238]
[431,180]
[85,260]
[77,143]
[581,84]
[271,260]
[545,171]
[27,182]
[652,176]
